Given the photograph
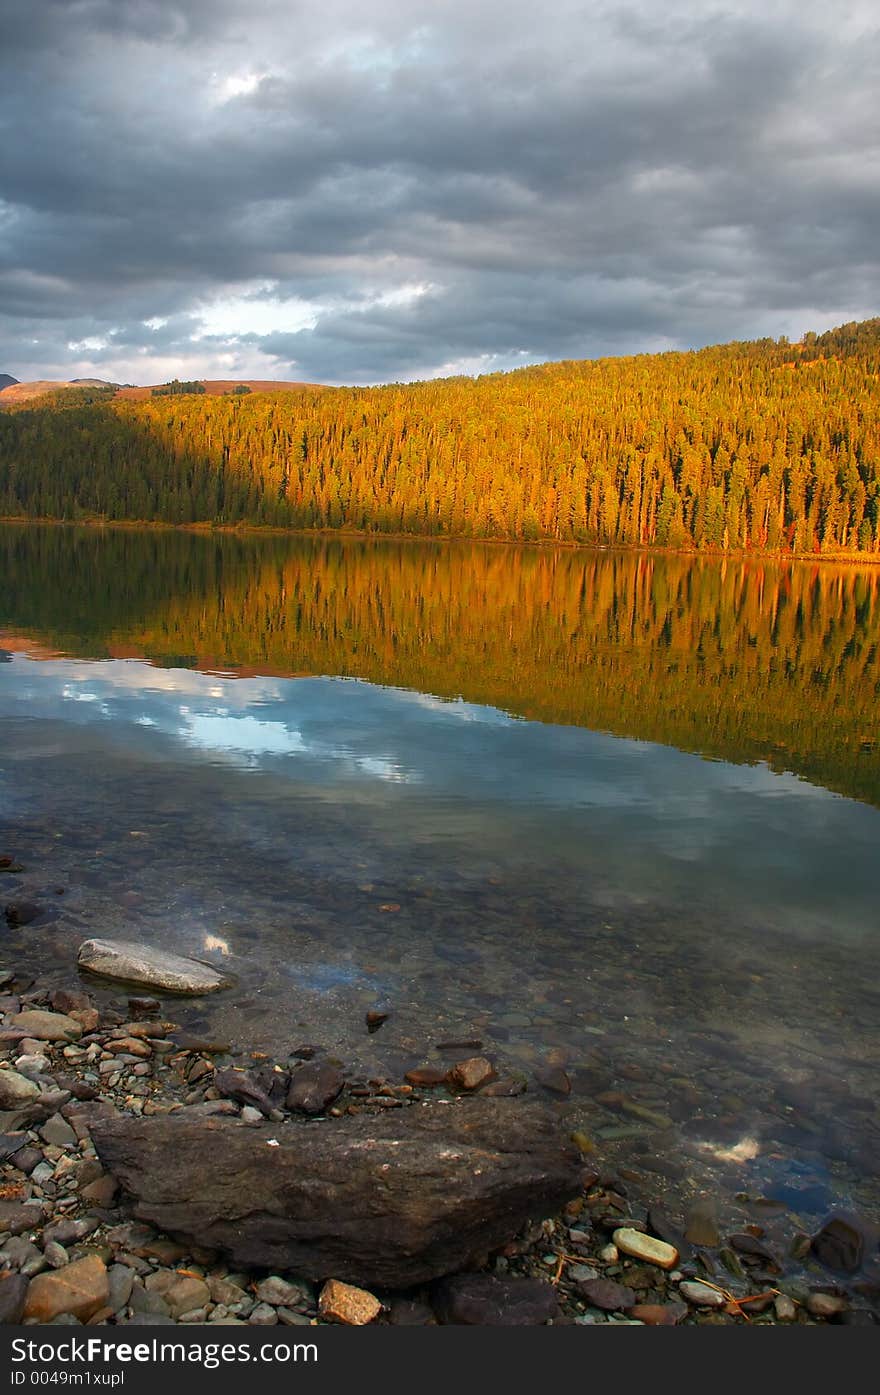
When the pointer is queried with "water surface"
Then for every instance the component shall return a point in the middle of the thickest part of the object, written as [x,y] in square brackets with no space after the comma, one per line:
[607,811]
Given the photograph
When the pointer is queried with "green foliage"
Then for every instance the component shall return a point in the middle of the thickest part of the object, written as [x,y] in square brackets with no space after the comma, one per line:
[64,399]
[741,447]
[178,389]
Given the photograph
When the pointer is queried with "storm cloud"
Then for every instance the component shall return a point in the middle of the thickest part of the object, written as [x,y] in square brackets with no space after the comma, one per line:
[352,193]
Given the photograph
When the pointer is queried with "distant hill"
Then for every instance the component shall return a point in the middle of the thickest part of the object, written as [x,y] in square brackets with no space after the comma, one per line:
[12,392]
[15,392]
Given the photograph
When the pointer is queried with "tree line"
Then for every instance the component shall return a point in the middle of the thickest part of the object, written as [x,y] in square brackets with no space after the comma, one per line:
[753,446]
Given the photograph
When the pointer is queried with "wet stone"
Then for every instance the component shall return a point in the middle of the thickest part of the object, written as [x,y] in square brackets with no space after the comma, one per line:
[471,1074]
[426,1076]
[314,1086]
[826,1305]
[784,1308]
[607,1295]
[486,1300]
[123,959]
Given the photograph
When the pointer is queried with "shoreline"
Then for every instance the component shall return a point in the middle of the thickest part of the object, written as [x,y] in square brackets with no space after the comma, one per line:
[250,530]
[121,1054]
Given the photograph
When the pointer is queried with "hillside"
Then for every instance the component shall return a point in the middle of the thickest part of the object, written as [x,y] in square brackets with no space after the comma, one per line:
[7,380]
[745,446]
[15,392]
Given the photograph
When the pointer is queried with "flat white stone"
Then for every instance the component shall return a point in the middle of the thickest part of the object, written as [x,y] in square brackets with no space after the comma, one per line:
[645,1247]
[145,964]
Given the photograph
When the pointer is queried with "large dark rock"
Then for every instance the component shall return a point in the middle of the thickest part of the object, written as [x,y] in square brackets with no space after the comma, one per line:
[384,1200]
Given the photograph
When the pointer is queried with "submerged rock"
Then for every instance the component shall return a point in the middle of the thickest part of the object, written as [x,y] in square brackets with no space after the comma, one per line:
[391,1200]
[471,1074]
[134,963]
[843,1243]
[22,913]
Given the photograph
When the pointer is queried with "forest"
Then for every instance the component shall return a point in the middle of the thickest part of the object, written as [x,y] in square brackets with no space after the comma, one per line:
[749,446]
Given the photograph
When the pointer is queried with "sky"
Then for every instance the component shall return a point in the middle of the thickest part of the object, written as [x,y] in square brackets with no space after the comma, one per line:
[351,193]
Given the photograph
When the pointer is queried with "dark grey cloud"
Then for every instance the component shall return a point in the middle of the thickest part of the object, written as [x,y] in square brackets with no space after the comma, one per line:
[350,193]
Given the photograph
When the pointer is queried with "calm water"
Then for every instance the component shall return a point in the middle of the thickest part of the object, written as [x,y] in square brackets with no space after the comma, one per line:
[605,811]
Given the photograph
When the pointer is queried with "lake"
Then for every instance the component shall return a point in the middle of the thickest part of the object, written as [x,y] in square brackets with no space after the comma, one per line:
[612,813]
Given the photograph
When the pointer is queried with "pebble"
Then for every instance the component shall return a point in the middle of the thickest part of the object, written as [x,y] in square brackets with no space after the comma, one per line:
[784,1308]
[607,1295]
[282,1293]
[263,1315]
[826,1305]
